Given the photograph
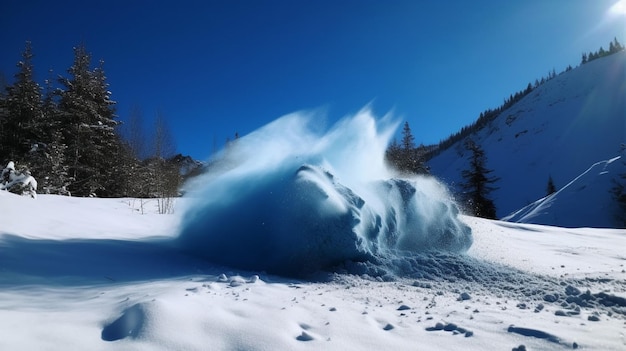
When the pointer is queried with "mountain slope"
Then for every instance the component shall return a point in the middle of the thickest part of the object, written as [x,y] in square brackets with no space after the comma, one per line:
[559,129]
[564,206]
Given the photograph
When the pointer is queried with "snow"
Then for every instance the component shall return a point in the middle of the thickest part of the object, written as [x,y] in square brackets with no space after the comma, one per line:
[293,208]
[564,208]
[113,274]
[560,129]
[88,283]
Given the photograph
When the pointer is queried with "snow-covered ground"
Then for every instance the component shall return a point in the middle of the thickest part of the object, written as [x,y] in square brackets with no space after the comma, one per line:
[96,274]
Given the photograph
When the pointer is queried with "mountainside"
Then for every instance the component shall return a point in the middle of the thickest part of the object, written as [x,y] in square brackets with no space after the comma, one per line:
[560,129]
[565,207]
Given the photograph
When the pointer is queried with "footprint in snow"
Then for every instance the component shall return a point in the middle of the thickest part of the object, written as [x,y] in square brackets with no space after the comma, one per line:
[451,327]
[304,337]
[129,324]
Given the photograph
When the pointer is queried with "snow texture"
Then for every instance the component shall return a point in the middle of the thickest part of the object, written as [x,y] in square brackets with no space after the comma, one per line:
[97,274]
[291,201]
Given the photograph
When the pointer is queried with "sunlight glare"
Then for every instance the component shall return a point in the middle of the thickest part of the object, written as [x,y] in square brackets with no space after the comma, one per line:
[619,8]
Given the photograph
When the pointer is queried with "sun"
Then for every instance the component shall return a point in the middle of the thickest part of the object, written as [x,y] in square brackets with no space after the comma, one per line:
[619,8]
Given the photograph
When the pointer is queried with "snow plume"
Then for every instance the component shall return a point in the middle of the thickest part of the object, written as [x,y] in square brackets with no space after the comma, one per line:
[292,200]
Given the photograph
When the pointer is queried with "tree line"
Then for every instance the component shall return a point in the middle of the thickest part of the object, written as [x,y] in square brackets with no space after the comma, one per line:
[68,136]
[614,47]
[489,115]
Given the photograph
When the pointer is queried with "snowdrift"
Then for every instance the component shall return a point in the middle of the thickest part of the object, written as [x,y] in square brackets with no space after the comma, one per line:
[291,201]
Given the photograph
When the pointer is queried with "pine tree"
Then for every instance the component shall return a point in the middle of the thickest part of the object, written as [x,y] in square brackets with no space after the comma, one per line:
[4,115]
[392,154]
[550,189]
[88,120]
[408,140]
[615,46]
[405,157]
[477,183]
[46,158]
[619,192]
[22,106]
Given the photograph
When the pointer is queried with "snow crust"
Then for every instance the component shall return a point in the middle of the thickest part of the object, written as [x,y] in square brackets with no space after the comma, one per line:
[293,200]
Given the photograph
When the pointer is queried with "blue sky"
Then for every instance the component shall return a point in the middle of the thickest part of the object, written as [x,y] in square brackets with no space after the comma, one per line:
[213,68]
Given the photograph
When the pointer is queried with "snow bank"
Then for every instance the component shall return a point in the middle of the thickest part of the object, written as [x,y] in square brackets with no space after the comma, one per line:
[292,201]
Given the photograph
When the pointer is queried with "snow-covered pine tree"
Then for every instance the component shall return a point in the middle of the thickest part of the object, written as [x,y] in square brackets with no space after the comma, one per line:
[88,120]
[46,158]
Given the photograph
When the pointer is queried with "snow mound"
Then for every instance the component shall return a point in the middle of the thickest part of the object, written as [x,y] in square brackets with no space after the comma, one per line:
[291,201]
[564,208]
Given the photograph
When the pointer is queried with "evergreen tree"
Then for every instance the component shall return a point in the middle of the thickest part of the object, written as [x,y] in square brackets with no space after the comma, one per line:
[615,46]
[393,154]
[619,192]
[408,140]
[22,106]
[477,183]
[550,189]
[408,160]
[4,115]
[88,120]
[405,157]
[46,158]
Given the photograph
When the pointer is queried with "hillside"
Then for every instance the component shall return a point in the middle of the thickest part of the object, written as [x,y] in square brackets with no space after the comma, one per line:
[560,129]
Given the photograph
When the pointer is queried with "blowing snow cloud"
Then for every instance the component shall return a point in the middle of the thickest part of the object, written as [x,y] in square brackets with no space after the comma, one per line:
[290,200]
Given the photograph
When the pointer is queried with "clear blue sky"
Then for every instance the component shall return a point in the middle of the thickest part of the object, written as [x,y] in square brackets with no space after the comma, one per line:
[214,68]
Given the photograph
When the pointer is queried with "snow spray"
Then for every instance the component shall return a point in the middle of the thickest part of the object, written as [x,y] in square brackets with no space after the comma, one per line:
[289,199]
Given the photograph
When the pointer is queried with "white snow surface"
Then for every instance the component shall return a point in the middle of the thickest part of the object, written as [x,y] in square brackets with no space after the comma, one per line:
[560,129]
[96,274]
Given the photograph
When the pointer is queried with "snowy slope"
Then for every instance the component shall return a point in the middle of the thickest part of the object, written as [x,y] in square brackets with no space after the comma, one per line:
[560,129]
[99,279]
[564,206]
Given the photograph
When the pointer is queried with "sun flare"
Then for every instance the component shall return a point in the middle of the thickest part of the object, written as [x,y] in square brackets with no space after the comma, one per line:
[619,8]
